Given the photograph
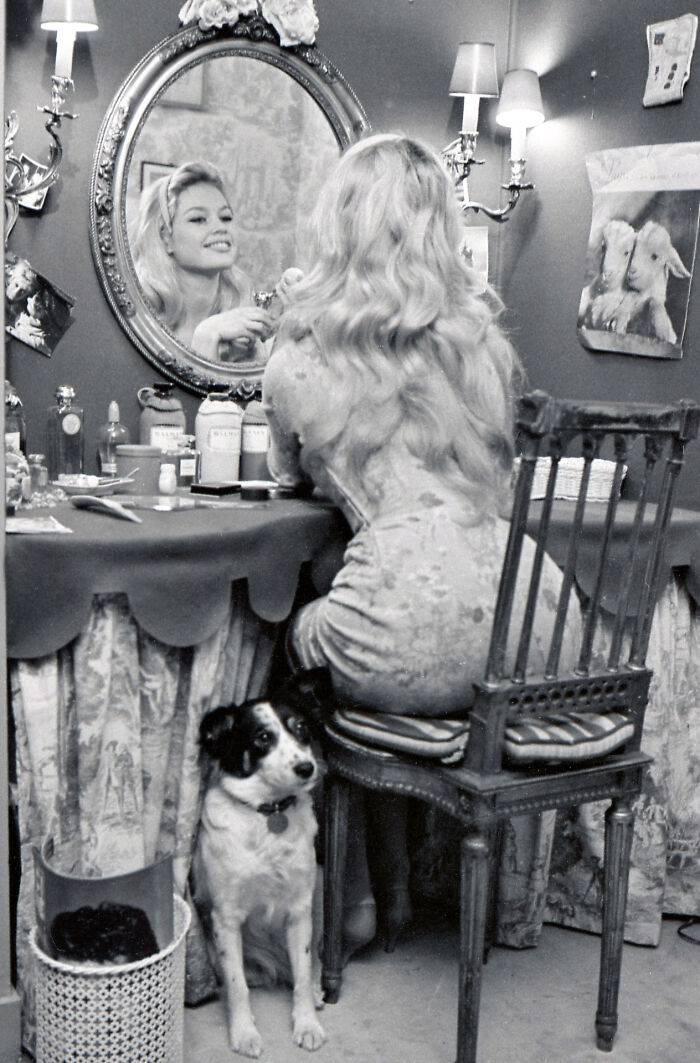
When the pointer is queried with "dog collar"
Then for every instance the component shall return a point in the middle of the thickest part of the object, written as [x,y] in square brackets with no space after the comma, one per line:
[277,821]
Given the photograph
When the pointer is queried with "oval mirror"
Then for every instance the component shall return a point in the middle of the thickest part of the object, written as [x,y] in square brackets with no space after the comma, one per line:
[269,121]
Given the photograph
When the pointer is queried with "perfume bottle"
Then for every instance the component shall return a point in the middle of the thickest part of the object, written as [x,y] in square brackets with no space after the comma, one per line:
[65,434]
[15,422]
[109,436]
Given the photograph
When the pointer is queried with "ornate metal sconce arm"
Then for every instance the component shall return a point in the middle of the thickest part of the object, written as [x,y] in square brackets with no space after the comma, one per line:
[460,155]
[19,183]
[515,186]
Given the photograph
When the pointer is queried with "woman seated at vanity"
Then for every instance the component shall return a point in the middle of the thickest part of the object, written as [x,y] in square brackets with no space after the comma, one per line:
[184,250]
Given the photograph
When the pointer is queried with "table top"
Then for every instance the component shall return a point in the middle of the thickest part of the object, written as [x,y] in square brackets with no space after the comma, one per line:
[682,544]
[176,568]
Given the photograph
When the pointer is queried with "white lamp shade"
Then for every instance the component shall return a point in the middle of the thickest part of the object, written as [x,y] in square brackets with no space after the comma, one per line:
[521,100]
[474,71]
[78,15]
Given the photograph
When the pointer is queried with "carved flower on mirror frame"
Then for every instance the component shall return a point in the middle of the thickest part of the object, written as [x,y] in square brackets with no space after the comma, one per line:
[296,21]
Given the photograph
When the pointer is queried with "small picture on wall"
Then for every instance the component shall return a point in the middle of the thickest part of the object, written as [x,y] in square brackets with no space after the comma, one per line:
[33,170]
[36,312]
[639,266]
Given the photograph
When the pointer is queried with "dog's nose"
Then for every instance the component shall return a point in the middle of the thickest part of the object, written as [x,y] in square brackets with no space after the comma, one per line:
[304,769]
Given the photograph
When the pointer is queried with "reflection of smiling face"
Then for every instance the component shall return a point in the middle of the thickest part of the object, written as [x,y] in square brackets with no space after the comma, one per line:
[202,231]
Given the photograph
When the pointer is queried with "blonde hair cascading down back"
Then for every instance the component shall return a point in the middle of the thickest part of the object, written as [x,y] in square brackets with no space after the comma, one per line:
[158,273]
[405,323]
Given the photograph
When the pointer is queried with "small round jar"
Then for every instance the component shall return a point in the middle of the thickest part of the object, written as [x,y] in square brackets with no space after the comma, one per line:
[139,463]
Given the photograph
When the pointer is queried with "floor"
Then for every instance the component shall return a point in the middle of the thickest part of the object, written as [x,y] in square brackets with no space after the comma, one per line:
[538,1005]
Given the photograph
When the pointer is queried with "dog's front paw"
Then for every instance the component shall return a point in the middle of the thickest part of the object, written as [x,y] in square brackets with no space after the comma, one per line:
[308,1033]
[245,1039]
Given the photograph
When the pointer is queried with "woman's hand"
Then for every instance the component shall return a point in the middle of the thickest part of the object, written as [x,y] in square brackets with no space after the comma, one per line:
[242,326]
[289,278]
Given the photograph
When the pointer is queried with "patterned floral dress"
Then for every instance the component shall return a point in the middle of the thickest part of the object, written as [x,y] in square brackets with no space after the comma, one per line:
[406,624]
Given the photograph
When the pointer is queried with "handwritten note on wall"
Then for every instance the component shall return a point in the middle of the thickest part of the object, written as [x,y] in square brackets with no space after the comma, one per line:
[670,45]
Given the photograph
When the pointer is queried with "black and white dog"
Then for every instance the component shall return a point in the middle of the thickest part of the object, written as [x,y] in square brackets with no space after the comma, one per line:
[254,866]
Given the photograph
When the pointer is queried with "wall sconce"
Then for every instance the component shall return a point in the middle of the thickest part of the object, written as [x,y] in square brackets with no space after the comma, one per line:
[65,18]
[520,108]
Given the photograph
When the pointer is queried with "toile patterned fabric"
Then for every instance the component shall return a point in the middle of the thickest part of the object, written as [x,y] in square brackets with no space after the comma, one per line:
[551,868]
[106,762]
[107,752]
[405,627]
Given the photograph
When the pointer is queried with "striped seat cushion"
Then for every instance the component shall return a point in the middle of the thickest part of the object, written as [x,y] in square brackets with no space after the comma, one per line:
[566,736]
[445,740]
[573,736]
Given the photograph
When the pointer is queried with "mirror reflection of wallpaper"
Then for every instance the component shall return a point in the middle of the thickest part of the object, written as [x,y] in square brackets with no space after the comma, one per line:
[268,137]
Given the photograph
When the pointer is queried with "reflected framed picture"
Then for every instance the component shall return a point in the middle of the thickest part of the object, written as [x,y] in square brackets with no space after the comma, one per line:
[152,171]
[188,91]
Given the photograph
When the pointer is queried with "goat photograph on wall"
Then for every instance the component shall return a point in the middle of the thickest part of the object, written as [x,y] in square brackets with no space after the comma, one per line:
[641,249]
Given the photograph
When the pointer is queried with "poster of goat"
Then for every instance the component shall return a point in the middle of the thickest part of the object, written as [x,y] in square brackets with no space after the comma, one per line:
[641,252]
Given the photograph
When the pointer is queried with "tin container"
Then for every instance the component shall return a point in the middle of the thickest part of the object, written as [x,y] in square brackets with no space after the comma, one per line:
[144,463]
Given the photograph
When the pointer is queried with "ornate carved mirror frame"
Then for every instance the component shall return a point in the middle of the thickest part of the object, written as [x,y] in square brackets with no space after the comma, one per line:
[116,160]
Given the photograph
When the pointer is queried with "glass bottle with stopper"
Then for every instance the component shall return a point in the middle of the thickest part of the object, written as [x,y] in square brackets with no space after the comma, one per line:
[109,436]
[65,434]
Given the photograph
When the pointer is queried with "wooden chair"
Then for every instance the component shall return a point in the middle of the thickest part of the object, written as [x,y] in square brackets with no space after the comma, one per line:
[504,773]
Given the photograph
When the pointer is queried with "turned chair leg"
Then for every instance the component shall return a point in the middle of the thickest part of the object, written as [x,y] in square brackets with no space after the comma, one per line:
[473,909]
[619,821]
[336,835]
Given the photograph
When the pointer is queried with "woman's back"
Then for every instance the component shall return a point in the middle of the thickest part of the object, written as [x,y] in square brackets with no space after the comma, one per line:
[406,624]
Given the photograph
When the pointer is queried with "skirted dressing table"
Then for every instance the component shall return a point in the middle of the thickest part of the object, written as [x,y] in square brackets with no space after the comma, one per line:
[122,635]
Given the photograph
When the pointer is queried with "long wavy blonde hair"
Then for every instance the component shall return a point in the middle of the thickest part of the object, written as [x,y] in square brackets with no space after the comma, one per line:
[159,275]
[405,323]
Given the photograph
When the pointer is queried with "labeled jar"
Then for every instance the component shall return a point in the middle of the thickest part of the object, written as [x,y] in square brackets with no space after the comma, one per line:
[218,437]
[162,419]
[255,443]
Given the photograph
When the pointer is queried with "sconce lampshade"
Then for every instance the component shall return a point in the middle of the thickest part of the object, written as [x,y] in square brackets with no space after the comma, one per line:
[521,100]
[474,71]
[78,15]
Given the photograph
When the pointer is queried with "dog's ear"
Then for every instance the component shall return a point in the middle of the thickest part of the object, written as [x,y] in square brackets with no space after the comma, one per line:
[310,694]
[224,735]
[217,730]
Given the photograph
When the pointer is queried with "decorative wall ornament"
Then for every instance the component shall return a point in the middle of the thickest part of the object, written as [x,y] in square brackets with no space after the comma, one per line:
[670,45]
[296,21]
[641,250]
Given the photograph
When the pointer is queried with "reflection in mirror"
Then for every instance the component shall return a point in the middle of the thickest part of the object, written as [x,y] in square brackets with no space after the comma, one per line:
[205,236]
[207,166]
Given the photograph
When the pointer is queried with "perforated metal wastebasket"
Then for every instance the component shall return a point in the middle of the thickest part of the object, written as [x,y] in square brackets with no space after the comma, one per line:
[126,1013]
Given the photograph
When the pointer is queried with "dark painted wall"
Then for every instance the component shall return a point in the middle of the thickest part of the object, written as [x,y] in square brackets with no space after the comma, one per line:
[398,56]
[544,247]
